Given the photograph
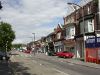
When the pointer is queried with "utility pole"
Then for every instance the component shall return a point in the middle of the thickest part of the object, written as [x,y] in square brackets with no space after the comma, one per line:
[99,10]
[34,36]
[0,5]
[34,49]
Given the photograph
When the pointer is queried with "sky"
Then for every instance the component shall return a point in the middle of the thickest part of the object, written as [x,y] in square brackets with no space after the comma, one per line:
[35,16]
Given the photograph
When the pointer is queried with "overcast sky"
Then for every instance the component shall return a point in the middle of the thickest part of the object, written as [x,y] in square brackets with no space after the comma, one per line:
[34,16]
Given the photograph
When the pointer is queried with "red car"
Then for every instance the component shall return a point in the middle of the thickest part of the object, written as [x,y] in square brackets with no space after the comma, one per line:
[65,54]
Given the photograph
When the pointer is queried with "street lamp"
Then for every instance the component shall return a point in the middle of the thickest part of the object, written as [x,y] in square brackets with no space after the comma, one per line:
[0,5]
[83,26]
[34,36]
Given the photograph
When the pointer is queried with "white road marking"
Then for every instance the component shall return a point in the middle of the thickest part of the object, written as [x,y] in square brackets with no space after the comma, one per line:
[60,71]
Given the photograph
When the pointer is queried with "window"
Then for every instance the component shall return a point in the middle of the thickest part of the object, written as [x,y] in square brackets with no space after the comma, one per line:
[89,26]
[89,11]
[58,35]
[70,32]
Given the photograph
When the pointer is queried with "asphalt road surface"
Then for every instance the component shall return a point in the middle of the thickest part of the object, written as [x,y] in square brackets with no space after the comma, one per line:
[5,69]
[25,64]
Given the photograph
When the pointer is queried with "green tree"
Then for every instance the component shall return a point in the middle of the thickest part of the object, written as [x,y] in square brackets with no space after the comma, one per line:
[17,45]
[7,35]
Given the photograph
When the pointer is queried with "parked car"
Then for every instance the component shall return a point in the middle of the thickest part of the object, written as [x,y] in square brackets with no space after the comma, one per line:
[2,54]
[5,55]
[65,54]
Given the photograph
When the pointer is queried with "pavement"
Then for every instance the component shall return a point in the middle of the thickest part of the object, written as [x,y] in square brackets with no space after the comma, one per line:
[72,60]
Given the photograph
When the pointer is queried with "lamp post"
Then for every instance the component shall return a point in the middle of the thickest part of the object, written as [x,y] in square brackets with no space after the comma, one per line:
[34,50]
[0,5]
[34,36]
[81,7]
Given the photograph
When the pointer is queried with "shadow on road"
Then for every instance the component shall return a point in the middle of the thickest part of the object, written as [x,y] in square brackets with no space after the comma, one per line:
[19,69]
[14,54]
[5,69]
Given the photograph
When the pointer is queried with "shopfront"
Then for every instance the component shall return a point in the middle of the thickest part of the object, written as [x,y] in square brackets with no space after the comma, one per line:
[93,50]
[69,45]
[58,46]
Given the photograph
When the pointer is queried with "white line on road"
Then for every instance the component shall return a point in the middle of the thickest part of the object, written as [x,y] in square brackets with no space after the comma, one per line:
[60,71]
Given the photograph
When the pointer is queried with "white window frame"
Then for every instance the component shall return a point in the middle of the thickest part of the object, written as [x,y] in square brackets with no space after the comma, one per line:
[71,33]
[59,35]
[87,26]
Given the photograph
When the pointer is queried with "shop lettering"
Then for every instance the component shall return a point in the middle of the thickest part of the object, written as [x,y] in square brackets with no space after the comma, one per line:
[98,40]
[90,41]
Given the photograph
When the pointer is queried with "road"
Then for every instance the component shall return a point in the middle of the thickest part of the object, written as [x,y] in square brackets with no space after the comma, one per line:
[48,65]
[5,69]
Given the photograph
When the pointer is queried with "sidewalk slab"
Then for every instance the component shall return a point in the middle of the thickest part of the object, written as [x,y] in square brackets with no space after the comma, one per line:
[87,64]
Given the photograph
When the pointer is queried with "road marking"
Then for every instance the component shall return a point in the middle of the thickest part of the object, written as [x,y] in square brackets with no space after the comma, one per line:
[60,71]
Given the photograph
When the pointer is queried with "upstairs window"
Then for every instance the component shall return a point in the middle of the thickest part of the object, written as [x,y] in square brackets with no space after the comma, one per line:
[59,35]
[89,9]
[70,32]
[89,26]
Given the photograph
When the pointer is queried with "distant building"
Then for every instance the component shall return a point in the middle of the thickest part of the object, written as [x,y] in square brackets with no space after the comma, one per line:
[58,40]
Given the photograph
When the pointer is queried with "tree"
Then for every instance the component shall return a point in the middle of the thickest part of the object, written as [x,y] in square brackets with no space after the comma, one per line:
[18,45]
[7,35]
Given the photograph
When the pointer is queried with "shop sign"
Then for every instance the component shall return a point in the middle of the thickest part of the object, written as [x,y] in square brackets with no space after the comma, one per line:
[58,43]
[93,42]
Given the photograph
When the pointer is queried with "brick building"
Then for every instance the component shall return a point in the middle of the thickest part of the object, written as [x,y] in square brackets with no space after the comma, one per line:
[87,30]
[58,40]
[69,31]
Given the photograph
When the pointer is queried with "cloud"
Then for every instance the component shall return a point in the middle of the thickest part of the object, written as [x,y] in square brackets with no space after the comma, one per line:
[28,16]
